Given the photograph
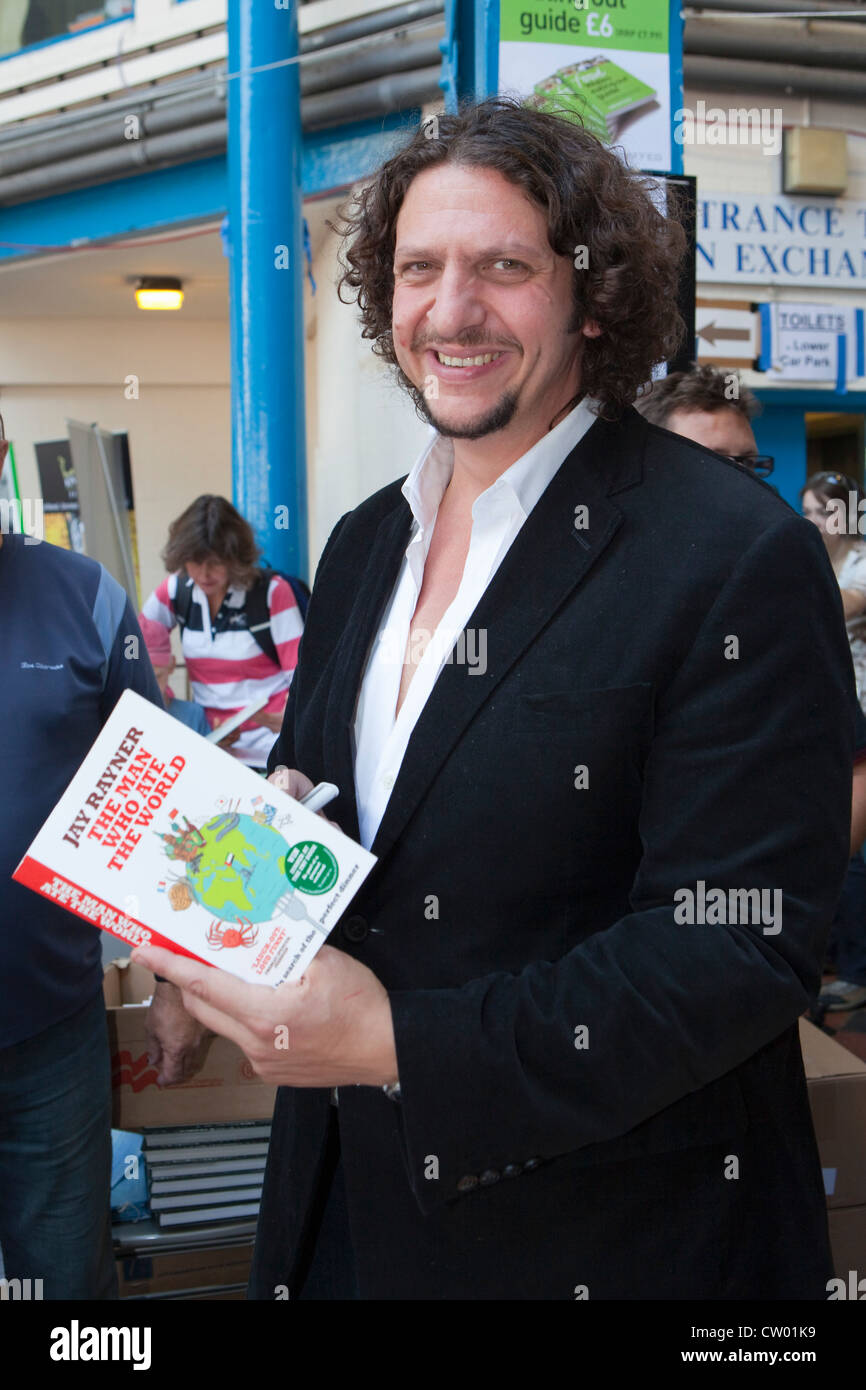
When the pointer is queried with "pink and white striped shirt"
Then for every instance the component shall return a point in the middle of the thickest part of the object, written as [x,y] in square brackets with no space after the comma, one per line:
[226,666]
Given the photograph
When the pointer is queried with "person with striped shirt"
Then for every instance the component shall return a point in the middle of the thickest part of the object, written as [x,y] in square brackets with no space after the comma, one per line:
[215,590]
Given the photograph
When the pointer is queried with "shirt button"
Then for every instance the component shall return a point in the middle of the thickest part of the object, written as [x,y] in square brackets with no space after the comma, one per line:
[467,1183]
[388,781]
[488,1177]
[530,1164]
[511,1170]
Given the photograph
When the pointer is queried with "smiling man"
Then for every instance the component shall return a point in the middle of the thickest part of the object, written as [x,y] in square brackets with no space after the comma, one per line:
[518,1072]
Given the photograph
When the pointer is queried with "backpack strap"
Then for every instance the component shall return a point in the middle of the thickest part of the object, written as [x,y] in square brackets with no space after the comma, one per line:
[258,615]
[182,601]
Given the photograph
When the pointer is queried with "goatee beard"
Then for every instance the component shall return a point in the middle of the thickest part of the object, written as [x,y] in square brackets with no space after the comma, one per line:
[497,418]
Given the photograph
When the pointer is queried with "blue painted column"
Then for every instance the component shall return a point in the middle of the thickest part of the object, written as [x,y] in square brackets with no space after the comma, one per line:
[269,476]
[470,51]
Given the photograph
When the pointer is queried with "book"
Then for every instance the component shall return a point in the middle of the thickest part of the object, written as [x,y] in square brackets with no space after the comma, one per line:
[185,1135]
[597,92]
[162,838]
[167,1187]
[206,1214]
[206,1199]
[229,725]
[229,1166]
[210,1151]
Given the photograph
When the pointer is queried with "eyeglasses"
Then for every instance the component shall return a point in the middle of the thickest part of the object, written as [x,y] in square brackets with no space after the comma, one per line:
[760,464]
[4,443]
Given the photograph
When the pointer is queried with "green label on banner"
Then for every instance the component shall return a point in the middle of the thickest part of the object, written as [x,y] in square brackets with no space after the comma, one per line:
[311,867]
[639,26]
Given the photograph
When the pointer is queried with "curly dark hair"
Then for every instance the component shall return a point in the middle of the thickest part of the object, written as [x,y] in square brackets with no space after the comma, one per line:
[211,526]
[591,198]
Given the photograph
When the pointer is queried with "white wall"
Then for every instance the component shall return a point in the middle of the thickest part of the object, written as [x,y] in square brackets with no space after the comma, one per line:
[362,430]
[179,429]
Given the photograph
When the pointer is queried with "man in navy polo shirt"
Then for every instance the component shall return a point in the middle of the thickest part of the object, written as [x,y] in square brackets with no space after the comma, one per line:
[70,646]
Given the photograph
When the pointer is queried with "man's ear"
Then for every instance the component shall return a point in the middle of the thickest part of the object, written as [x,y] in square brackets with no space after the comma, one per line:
[591,329]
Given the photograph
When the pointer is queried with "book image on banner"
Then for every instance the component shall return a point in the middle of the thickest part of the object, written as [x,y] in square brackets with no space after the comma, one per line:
[162,838]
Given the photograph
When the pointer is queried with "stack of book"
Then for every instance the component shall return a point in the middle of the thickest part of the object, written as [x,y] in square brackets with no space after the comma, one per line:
[597,93]
[204,1174]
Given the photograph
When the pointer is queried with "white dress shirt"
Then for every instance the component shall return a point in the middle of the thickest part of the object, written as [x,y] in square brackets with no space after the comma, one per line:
[497,515]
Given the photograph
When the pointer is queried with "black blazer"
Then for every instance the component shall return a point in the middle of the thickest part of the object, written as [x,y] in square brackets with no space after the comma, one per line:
[598,1099]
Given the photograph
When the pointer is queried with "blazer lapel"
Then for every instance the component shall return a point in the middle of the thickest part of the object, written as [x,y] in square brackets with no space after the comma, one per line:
[552,552]
[376,587]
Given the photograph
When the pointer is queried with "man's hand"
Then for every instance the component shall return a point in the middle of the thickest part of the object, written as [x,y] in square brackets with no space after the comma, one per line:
[291,781]
[331,1028]
[177,1043]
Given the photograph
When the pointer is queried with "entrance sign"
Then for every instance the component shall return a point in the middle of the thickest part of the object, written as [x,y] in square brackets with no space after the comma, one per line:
[781,240]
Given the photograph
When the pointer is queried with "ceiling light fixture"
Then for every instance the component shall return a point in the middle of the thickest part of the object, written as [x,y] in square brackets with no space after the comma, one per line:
[158,292]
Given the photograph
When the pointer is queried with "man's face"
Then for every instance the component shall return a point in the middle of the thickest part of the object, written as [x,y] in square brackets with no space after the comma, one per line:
[477,284]
[726,431]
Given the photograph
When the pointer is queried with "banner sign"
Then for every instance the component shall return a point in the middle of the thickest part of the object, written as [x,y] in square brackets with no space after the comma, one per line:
[605,61]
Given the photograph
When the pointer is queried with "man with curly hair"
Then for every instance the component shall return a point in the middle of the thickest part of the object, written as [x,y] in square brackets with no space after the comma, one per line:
[552,1052]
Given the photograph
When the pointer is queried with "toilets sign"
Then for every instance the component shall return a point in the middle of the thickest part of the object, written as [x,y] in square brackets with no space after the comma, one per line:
[812,342]
[781,240]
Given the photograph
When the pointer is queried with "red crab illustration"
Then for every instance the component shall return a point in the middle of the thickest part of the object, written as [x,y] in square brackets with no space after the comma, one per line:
[218,936]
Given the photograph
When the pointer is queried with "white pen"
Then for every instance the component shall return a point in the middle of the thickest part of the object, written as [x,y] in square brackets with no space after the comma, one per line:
[321,795]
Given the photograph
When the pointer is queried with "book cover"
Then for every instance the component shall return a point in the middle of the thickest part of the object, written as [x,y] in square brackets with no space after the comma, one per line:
[162,838]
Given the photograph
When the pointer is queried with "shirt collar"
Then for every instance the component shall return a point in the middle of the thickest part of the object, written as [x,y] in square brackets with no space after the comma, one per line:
[524,481]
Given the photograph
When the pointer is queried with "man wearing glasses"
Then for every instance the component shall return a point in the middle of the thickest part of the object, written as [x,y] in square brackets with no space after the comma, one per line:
[698,405]
[71,645]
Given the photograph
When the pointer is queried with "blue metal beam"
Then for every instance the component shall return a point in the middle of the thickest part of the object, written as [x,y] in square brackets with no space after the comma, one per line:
[143,202]
[676,26]
[335,159]
[266,278]
[155,201]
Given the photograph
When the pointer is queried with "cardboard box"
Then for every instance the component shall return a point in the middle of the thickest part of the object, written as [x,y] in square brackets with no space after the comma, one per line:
[143,1276]
[225,1089]
[837,1094]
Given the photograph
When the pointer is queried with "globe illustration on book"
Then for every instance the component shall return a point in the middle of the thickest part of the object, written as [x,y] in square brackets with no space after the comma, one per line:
[234,867]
